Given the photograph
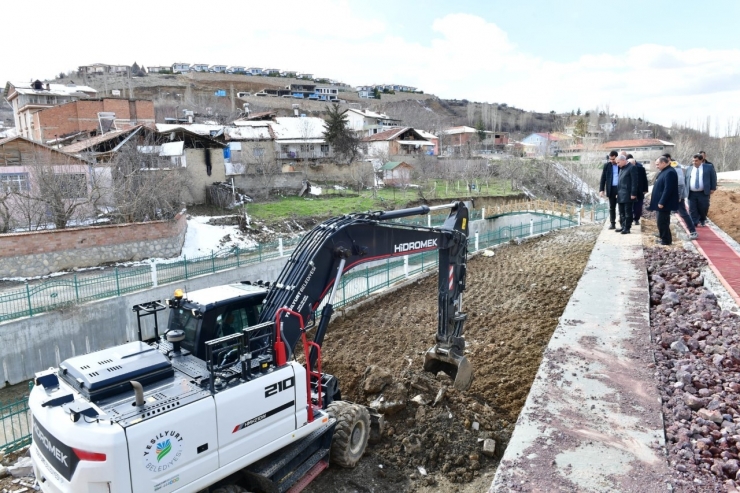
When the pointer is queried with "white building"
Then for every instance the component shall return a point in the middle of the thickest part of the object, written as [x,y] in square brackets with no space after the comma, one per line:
[366,122]
[181,68]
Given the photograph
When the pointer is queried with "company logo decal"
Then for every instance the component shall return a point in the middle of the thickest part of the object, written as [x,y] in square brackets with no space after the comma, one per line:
[163,448]
[415,245]
[163,451]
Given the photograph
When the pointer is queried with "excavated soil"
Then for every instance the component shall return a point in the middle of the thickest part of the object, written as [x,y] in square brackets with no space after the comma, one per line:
[434,433]
[724,211]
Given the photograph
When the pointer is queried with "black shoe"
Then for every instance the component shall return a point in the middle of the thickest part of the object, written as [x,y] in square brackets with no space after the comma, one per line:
[618,230]
[637,221]
[625,231]
[663,243]
[612,226]
[703,224]
[657,235]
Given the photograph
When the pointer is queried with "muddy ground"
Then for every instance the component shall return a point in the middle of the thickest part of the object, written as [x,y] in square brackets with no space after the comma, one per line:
[724,211]
[513,301]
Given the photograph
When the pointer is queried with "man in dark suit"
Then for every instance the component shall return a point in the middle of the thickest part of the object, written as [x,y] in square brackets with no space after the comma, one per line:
[665,198]
[702,183]
[608,185]
[627,185]
[642,188]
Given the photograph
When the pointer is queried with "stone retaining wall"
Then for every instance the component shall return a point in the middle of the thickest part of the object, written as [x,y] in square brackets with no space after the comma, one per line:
[39,253]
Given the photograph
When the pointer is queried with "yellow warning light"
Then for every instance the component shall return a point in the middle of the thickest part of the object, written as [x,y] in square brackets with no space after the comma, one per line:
[178,294]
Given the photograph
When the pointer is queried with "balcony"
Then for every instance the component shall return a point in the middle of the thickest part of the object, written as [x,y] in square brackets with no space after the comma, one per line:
[305,155]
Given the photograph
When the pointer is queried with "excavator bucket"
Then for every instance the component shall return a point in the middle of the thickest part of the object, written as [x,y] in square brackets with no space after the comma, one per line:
[455,365]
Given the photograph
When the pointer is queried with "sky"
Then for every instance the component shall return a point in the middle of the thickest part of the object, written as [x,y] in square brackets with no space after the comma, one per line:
[665,61]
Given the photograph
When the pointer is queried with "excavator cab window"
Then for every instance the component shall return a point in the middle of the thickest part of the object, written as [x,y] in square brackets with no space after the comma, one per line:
[183,319]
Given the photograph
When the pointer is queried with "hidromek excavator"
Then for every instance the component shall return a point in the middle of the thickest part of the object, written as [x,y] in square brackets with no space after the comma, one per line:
[219,402]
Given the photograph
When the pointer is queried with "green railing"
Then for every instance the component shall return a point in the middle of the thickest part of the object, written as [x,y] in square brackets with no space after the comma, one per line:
[53,294]
[15,424]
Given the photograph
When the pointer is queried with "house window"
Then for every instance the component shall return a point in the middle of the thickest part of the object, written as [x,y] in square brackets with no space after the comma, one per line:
[284,148]
[259,152]
[325,148]
[72,185]
[14,182]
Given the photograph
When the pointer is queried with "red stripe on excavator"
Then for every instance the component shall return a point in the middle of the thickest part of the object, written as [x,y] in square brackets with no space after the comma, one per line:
[369,259]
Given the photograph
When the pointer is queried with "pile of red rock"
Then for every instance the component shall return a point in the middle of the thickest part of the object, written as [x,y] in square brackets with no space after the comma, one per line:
[698,366]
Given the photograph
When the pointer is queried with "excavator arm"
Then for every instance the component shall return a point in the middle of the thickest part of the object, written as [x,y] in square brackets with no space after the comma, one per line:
[315,269]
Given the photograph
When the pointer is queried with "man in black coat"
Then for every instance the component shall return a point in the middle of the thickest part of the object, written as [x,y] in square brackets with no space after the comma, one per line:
[627,186]
[665,198]
[608,185]
[642,189]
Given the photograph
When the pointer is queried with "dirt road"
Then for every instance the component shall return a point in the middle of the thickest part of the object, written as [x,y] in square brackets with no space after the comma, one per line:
[513,301]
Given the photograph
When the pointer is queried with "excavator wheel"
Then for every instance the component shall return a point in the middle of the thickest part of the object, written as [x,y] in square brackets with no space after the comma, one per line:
[351,433]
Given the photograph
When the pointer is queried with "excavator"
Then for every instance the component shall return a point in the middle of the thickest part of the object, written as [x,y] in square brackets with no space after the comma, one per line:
[224,400]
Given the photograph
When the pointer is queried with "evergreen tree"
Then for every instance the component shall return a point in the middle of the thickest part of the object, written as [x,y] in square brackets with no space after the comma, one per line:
[343,140]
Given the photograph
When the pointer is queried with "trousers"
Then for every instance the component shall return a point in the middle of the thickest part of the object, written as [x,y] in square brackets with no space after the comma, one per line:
[664,226]
[637,209]
[625,215]
[698,206]
[613,206]
[684,214]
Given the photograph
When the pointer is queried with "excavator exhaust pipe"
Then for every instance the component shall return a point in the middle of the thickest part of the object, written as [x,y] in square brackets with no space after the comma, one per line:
[457,366]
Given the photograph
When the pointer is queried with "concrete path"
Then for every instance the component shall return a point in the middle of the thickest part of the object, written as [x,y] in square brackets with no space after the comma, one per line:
[592,421]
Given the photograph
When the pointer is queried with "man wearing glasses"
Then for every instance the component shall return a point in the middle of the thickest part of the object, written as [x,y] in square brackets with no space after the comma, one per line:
[702,184]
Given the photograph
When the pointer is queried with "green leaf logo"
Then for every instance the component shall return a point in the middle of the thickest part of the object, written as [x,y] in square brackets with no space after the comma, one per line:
[163,448]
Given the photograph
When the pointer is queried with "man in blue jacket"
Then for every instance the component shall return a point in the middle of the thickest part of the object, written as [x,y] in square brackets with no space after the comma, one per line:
[665,198]
[608,185]
[702,183]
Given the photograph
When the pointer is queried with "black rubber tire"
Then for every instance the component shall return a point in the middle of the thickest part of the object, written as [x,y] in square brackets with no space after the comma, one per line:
[351,433]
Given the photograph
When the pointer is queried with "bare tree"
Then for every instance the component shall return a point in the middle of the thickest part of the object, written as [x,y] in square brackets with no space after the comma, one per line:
[143,185]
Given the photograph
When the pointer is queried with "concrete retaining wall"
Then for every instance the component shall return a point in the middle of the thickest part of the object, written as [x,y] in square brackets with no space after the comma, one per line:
[42,252]
[32,344]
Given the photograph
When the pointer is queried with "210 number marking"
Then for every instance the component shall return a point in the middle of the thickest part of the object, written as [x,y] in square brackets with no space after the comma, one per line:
[273,389]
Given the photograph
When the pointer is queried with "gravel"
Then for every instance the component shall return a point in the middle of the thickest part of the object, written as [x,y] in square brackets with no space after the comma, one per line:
[697,353]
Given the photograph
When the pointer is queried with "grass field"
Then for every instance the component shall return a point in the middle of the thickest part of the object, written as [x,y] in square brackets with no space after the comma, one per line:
[334,202]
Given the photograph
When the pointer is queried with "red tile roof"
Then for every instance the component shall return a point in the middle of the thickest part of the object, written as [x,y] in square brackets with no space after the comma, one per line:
[387,134]
[616,144]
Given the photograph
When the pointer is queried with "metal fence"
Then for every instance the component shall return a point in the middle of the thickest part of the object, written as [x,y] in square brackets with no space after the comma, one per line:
[15,424]
[53,294]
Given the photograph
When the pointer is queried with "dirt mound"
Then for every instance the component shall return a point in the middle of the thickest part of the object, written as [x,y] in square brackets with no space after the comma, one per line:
[724,211]
[435,434]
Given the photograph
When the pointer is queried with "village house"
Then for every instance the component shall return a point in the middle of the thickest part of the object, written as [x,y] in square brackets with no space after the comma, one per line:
[199,67]
[89,116]
[401,141]
[93,69]
[546,144]
[304,76]
[300,139]
[180,68]
[463,137]
[254,71]
[251,143]
[30,168]
[236,69]
[271,71]
[158,69]
[396,173]
[218,69]
[431,138]
[28,98]
[288,73]
[327,93]
[201,156]
[643,150]
[366,122]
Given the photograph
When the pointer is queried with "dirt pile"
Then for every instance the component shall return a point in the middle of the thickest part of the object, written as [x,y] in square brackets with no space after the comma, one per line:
[724,211]
[698,366]
[435,435]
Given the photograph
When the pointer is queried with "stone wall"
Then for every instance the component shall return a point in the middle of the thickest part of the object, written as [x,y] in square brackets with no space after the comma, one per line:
[39,253]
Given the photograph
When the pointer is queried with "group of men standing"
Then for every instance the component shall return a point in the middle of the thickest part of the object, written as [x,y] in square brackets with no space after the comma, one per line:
[624,181]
